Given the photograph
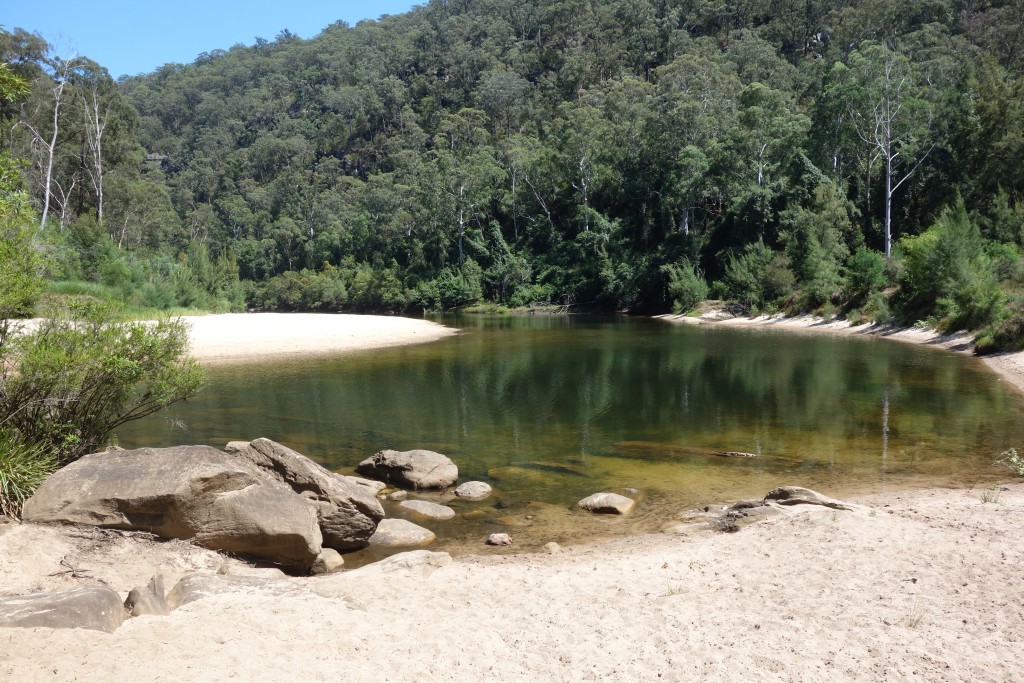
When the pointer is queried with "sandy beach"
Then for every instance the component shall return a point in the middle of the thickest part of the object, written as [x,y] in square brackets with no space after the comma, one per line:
[234,337]
[920,585]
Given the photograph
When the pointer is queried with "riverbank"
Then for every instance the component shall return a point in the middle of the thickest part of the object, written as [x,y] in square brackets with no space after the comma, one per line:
[1008,366]
[240,337]
[923,585]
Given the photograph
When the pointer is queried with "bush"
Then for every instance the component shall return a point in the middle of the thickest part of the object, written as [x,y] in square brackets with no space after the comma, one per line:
[948,272]
[865,276]
[68,384]
[23,467]
[686,286]
[758,276]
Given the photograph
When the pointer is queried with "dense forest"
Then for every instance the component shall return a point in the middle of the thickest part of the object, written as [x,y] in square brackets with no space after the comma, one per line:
[855,157]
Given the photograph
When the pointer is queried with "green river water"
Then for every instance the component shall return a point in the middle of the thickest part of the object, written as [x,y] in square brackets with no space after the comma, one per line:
[551,409]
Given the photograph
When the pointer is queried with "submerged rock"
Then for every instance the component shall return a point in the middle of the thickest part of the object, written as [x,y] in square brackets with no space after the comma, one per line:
[608,504]
[473,490]
[428,509]
[418,469]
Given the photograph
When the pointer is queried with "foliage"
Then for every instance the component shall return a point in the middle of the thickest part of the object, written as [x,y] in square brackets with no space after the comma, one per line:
[1013,460]
[571,156]
[686,286]
[23,467]
[67,384]
[947,269]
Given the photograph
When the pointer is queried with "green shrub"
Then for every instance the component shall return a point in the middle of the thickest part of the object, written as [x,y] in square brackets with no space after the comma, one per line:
[758,277]
[83,372]
[23,467]
[686,286]
[865,276]
[948,273]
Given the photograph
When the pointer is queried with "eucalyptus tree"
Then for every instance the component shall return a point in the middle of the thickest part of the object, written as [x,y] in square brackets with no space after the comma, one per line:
[888,110]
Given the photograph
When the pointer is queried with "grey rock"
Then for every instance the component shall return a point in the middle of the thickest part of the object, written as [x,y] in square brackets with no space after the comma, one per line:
[347,508]
[418,469]
[371,485]
[608,504]
[329,560]
[473,490]
[392,533]
[192,587]
[797,495]
[188,492]
[737,454]
[398,495]
[97,608]
[552,548]
[149,599]
[427,509]
[499,539]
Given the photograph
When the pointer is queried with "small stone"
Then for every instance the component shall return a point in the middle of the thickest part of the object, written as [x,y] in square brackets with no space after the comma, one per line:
[608,504]
[473,490]
[428,509]
[499,539]
[552,548]
[397,495]
[329,560]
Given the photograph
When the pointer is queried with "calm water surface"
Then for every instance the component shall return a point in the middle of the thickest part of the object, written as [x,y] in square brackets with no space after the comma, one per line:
[551,409]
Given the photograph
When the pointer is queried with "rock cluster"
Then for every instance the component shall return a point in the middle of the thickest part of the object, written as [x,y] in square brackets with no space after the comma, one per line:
[259,499]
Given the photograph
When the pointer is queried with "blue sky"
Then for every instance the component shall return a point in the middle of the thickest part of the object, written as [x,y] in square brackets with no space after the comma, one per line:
[131,37]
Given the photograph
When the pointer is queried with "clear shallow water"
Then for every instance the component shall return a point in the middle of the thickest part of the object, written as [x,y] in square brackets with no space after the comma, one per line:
[551,409]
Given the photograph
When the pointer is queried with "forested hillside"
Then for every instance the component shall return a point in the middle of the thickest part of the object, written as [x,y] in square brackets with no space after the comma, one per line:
[857,156]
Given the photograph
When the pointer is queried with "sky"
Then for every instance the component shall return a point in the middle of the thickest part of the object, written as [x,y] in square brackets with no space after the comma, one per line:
[138,36]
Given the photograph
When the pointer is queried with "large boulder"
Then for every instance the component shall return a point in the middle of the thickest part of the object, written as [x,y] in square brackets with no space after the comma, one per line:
[417,469]
[189,492]
[98,608]
[347,508]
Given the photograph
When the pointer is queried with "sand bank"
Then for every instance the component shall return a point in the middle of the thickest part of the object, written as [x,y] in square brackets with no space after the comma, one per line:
[1008,366]
[236,337]
[924,585]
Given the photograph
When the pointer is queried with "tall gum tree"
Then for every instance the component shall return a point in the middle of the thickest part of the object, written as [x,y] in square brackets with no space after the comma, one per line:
[889,113]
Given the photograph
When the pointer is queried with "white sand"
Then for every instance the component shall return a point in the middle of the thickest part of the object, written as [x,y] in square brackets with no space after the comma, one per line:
[925,585]
[922,586]
[251,336]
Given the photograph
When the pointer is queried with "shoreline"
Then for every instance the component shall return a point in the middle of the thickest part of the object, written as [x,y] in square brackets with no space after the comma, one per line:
[919,585]
[1008,367]
[911,584]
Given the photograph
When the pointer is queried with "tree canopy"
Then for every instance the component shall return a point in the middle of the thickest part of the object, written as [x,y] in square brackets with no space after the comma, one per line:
[595,153]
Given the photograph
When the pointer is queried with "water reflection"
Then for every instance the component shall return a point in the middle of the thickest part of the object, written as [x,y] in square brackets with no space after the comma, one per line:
[552,409]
